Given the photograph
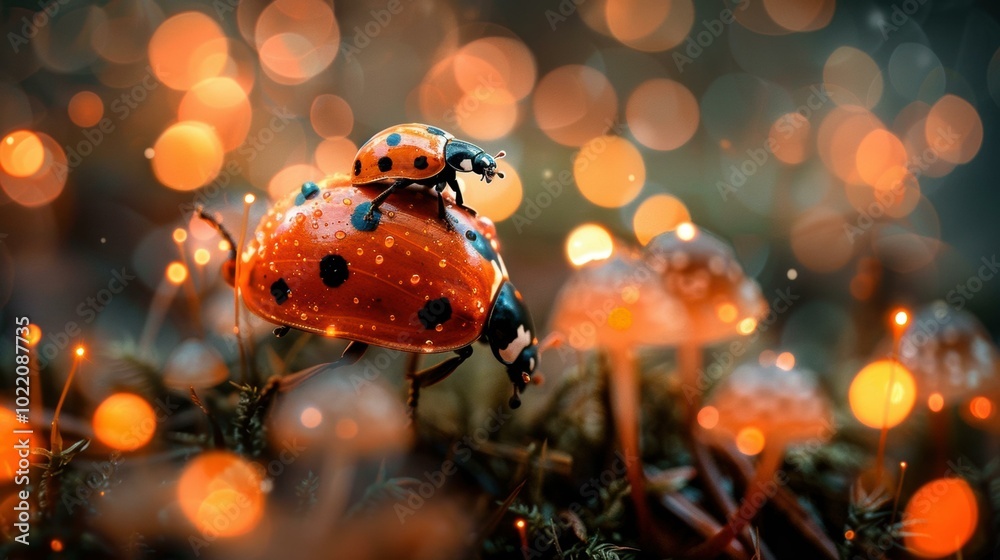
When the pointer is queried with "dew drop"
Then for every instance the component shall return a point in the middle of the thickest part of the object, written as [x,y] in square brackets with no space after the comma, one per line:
[373,327]
[317,213]
[443,263]
[326,195]
[361,251]
[315,224]
[356,300]
[415,279]
[340,235]
[347,201]
[296,242]
[392,214]
[392,317]
[316,308]
[390,241]
[303,316]
[300,217]
[439,328]
[407,253]
[378,259]
[428,343]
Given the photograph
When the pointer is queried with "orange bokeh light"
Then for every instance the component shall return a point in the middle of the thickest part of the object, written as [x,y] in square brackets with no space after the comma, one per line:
[853,78]
[935,402]
[187,155]
[21,153]
[574,103]
[589,242]
[869,391]
[662,114]
[790,134]
[750,441]
[941,517]
[124,421]
[880,153]
[176,272]
[708,417]
[785,361]
[221,494]
[186,49]
[335,155]
[609,171]
[85,109]
[223,105]
[649,25]
[657,214]
[291,178]
[497,200]
[331,116]
[953,129]
[981,407]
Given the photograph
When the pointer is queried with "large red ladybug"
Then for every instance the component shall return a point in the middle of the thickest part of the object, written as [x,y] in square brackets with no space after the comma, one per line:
[420,154]
[411,284]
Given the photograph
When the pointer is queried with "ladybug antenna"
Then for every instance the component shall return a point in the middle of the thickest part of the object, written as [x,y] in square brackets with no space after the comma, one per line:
[500,155]
[229,267]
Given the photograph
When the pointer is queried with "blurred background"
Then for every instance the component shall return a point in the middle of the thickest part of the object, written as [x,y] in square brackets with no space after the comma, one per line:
[842,148]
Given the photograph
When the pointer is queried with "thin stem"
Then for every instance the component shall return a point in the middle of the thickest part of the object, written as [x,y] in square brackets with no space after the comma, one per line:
[624,388]
[56,436]
[689,361]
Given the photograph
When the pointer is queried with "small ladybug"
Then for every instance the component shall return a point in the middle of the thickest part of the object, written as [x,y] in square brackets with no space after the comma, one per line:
[316,264]
[420,154]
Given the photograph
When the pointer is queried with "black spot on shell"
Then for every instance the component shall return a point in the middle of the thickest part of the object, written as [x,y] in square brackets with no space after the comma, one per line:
[393,139]
[420,162]
[384,163]
[436,130]
[280,291]
[357,167]
[435,312]
[333,270]
[470,235]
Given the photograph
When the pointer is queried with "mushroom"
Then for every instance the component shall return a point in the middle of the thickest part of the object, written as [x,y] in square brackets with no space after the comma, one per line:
[347,417]
[615,306]
[951,356]
[194,365]
[764,410]
[717,301]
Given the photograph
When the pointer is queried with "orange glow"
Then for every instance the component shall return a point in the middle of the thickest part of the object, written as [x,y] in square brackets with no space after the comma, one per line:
[953,116]
[981,407]
[589,242]
[686,231]
[574,103]
[662,114]
[80,351]
[790,134]
[901,317]
[34,334]
[85,109]
[221,104]
[657,214]
[868,392]
[180,235]
[487,116]
[124,421]
[839,136]
[311,417]
[800,15]
[708,417]
[620,319]
[750,441]
[187,155]
[186,49]
[941,517]
[176,272]
[506,60]
[296,39]
[881,159]
[249,199]
[727,312]
[849,535]
[21,153]
[202,256]
[291,178]
[818,239]
[221,494]
[785,361]
[331,116]
[747,326]
[520,524]
[935,402]
[56,545]
[767,358]
[499,199]
[649,25]
[609,171]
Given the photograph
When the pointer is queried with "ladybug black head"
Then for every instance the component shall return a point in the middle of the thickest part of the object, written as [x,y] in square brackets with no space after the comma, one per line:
[486,165]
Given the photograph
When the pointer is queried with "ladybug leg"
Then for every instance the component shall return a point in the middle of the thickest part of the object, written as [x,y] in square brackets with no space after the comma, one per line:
[354,351]
[432,375]
[442,214]
[378,200]
[453,183]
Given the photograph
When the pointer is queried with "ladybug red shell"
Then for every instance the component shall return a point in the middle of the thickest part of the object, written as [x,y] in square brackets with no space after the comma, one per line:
[420,154]
[405,280]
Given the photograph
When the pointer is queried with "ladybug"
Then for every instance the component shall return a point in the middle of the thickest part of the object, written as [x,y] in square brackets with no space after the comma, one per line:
[318,265]
[420,154]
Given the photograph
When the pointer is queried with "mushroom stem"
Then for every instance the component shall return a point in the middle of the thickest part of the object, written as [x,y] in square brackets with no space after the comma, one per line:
[338,475]
[711,477]
[757,493]
[624,388]
[689,359]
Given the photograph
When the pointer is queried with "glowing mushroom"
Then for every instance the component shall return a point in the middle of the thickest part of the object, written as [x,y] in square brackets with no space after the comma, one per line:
[347,417]
[763,410]
[717,301]
[194,364]
[615,306]
[951,357]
